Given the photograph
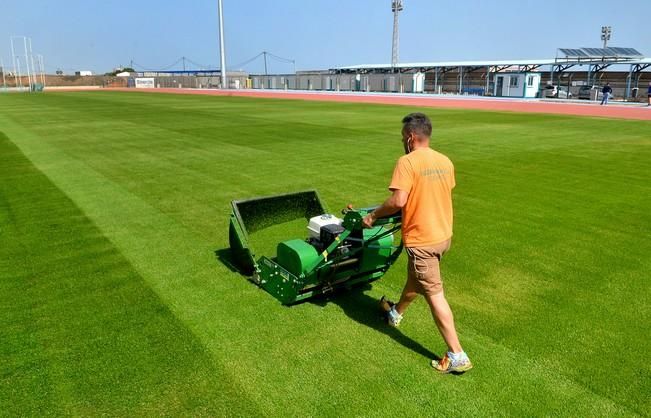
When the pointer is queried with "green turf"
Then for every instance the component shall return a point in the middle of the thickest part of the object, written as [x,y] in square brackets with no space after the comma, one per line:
[112,300]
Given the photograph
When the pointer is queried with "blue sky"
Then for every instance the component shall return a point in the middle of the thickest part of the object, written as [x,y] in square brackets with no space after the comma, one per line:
[98,36]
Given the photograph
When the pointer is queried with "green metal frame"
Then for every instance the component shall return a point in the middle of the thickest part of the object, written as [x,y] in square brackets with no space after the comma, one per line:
[366,262]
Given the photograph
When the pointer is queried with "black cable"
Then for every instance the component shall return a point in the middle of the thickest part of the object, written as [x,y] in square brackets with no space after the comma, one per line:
[159,69]
[273,56]
[247,61]
[201,67]
[287,60]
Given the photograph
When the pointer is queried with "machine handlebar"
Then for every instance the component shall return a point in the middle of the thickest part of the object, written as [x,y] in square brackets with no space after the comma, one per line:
[352,214]
[362,211]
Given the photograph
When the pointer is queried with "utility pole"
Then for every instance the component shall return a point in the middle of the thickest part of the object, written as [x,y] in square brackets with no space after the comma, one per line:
[4,70]
[31,58]
[221,45]
[264,53]
[396,8]
[606,31]
[41,66]
[13,59]
[16,60]
[20,75]
[29,75]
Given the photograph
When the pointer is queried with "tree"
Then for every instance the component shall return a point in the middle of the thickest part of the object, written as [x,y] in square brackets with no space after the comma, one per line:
[121,70]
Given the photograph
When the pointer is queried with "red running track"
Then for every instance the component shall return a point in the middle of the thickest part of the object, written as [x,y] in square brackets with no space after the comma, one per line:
[638,112]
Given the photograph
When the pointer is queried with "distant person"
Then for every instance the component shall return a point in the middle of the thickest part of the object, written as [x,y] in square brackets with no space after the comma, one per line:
[606,92]
[648,94]
[421,188]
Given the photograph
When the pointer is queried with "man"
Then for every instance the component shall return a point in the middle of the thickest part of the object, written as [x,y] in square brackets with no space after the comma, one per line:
[421,187]
[606,92]
[648,92]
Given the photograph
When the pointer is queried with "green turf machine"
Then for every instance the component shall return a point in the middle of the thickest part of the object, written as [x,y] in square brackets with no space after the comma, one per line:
[327,254]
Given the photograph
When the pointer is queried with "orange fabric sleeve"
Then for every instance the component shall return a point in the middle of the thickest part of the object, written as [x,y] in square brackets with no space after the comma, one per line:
[403,176]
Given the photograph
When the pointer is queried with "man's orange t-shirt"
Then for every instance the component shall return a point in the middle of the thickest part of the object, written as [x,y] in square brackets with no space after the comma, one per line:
[428,177]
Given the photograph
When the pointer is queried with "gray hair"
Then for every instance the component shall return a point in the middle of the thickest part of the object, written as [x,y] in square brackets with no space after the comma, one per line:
[417,123]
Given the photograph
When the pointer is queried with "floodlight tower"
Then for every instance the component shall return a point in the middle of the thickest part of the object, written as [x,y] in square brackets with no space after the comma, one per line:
[606,31]
[221,45]
[396,8]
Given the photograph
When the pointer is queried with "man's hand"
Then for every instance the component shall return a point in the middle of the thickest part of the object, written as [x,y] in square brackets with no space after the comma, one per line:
[393,204]
[368,220]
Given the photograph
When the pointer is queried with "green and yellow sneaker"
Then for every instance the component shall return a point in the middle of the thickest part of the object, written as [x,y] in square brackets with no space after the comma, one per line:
[447,365]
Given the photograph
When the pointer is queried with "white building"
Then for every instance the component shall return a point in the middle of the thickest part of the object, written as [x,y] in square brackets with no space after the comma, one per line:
[517,84]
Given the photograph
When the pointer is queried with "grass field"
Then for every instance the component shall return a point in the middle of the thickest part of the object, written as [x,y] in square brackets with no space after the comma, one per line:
[112,301]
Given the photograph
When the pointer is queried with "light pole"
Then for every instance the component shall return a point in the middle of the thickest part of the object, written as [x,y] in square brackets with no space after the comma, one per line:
[221,45]
[606,31]
[396,8]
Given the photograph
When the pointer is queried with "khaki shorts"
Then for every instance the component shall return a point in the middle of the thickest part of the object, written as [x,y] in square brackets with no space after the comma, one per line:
[423,272]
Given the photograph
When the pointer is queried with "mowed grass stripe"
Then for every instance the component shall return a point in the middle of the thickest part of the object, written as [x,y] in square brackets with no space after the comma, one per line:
[558,260]
[494,272]
[207,164]
[80,331]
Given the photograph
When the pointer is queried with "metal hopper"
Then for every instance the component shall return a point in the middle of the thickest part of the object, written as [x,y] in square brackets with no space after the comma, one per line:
[250,216]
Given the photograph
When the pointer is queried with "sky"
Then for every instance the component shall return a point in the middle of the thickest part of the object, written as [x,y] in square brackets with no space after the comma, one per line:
[99,36]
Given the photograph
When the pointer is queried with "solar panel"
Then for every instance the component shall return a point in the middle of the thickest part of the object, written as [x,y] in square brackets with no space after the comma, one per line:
[600,53]
[595,52]
[628,52]
[613,52]
[573,52]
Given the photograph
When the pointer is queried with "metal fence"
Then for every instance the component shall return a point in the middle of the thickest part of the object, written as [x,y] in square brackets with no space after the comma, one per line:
[452,82]
[394,83]
[478,83]
[194,82]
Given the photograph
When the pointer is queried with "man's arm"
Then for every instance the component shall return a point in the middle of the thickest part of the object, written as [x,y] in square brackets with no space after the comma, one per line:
[393,204]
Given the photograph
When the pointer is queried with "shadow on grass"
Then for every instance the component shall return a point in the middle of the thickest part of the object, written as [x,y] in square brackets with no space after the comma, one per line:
[364,309]
[225,257]
[357,305]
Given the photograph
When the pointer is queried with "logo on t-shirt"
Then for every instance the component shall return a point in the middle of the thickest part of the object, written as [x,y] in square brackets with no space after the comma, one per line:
[435,172]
